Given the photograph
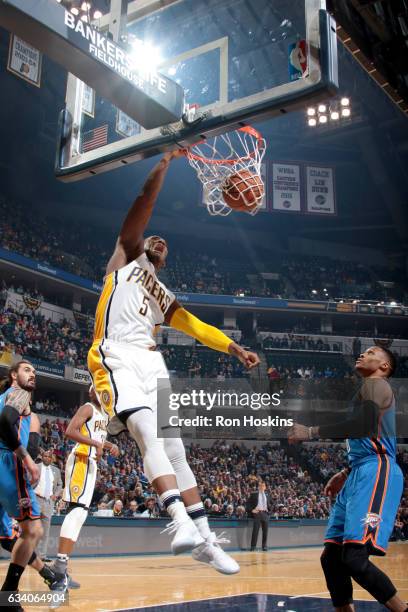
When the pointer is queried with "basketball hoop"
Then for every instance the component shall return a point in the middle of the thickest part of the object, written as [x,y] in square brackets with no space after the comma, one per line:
[238,153]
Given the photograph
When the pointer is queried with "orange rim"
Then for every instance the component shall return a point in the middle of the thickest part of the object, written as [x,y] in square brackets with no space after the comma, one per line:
[247,129]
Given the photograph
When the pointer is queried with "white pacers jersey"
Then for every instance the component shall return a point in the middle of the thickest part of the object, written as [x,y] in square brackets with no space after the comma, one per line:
[94,428]
[133,301]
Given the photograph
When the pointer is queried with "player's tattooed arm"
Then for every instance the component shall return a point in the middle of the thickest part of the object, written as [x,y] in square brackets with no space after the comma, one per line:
[17,404]
[20,400]
[130,242]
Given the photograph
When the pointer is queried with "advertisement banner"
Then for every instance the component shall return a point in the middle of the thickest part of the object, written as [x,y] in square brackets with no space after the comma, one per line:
[81,376]
[56,370]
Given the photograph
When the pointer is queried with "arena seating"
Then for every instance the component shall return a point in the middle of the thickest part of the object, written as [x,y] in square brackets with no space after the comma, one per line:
[226,473]
[77,249]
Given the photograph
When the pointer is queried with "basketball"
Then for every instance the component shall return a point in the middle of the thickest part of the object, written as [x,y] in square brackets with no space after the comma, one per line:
[243,191]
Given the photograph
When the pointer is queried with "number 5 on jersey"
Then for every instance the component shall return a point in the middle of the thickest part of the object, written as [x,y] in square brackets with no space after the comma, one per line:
[145,306]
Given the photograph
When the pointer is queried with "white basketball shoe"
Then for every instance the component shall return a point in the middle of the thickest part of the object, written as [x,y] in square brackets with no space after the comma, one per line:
[210,552]
[186,536]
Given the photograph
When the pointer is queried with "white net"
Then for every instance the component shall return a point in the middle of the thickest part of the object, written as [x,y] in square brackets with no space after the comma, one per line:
[236,153]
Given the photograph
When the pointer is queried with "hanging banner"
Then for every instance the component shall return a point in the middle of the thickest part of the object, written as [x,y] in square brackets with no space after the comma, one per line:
[320,190]
[24,61]
[286,187]
[125,125]
[88,101]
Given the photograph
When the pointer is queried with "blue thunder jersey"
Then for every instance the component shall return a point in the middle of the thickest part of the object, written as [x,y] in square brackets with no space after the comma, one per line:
[17,496]
[385,443]
[22,425]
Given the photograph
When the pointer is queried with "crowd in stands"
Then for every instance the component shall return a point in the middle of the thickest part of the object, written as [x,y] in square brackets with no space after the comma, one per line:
[226,475]
[298,342]
[78,249]
[32,335]
[27,332]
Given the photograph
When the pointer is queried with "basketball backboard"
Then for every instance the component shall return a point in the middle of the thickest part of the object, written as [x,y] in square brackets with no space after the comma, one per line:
[238,62]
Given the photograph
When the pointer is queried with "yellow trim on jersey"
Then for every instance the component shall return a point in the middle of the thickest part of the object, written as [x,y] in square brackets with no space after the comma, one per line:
[107,290]
[101,379]
[84,449]
[78,477]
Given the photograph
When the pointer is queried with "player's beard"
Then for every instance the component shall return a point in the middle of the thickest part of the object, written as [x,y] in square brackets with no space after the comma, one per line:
[26,386]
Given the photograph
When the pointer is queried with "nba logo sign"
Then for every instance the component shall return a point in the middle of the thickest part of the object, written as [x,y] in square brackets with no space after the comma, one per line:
[297,60]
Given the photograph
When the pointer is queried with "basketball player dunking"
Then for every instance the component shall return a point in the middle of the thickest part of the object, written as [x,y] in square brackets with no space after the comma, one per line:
[125,368]
[369,491]
[88,428]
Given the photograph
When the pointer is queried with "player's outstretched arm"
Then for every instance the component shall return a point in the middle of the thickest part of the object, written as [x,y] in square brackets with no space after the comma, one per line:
[73,430]
[179,318]
[129,244]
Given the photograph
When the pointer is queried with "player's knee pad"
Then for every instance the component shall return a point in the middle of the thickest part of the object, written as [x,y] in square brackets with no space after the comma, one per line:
[176,452]
[143,429]
[330,558]
[355,558]
[73,522]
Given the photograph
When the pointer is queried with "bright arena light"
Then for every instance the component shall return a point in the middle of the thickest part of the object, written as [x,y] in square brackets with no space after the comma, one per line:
[74,10]
[312,122]
[144,55]
[84,17]
[97,15]
[345,101]
[311,111]
[334,115]
[85,6]
[346,112]
[323,119]
[322,108]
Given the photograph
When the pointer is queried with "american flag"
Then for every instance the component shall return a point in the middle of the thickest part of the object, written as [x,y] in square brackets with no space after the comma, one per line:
[95,138]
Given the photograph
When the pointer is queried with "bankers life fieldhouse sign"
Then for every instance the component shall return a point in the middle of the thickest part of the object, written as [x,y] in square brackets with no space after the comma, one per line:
[150,98]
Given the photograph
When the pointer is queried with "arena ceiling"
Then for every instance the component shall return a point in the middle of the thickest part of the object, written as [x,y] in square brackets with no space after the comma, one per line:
[369,153]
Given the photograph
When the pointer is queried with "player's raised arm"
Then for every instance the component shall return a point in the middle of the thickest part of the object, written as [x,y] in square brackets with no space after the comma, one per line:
[129,244]
[182,320]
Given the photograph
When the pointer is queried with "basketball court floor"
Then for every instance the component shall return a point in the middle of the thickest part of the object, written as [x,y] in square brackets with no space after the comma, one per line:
[286,580]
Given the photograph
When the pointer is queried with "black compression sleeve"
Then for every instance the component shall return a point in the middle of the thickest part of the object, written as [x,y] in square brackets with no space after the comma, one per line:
[362,424]
[33,444]
[8,419]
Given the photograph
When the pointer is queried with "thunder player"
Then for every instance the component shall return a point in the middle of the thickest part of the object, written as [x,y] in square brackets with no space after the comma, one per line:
[18,472]
[362,519]
[125,369]
[8,538]
[88,428]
